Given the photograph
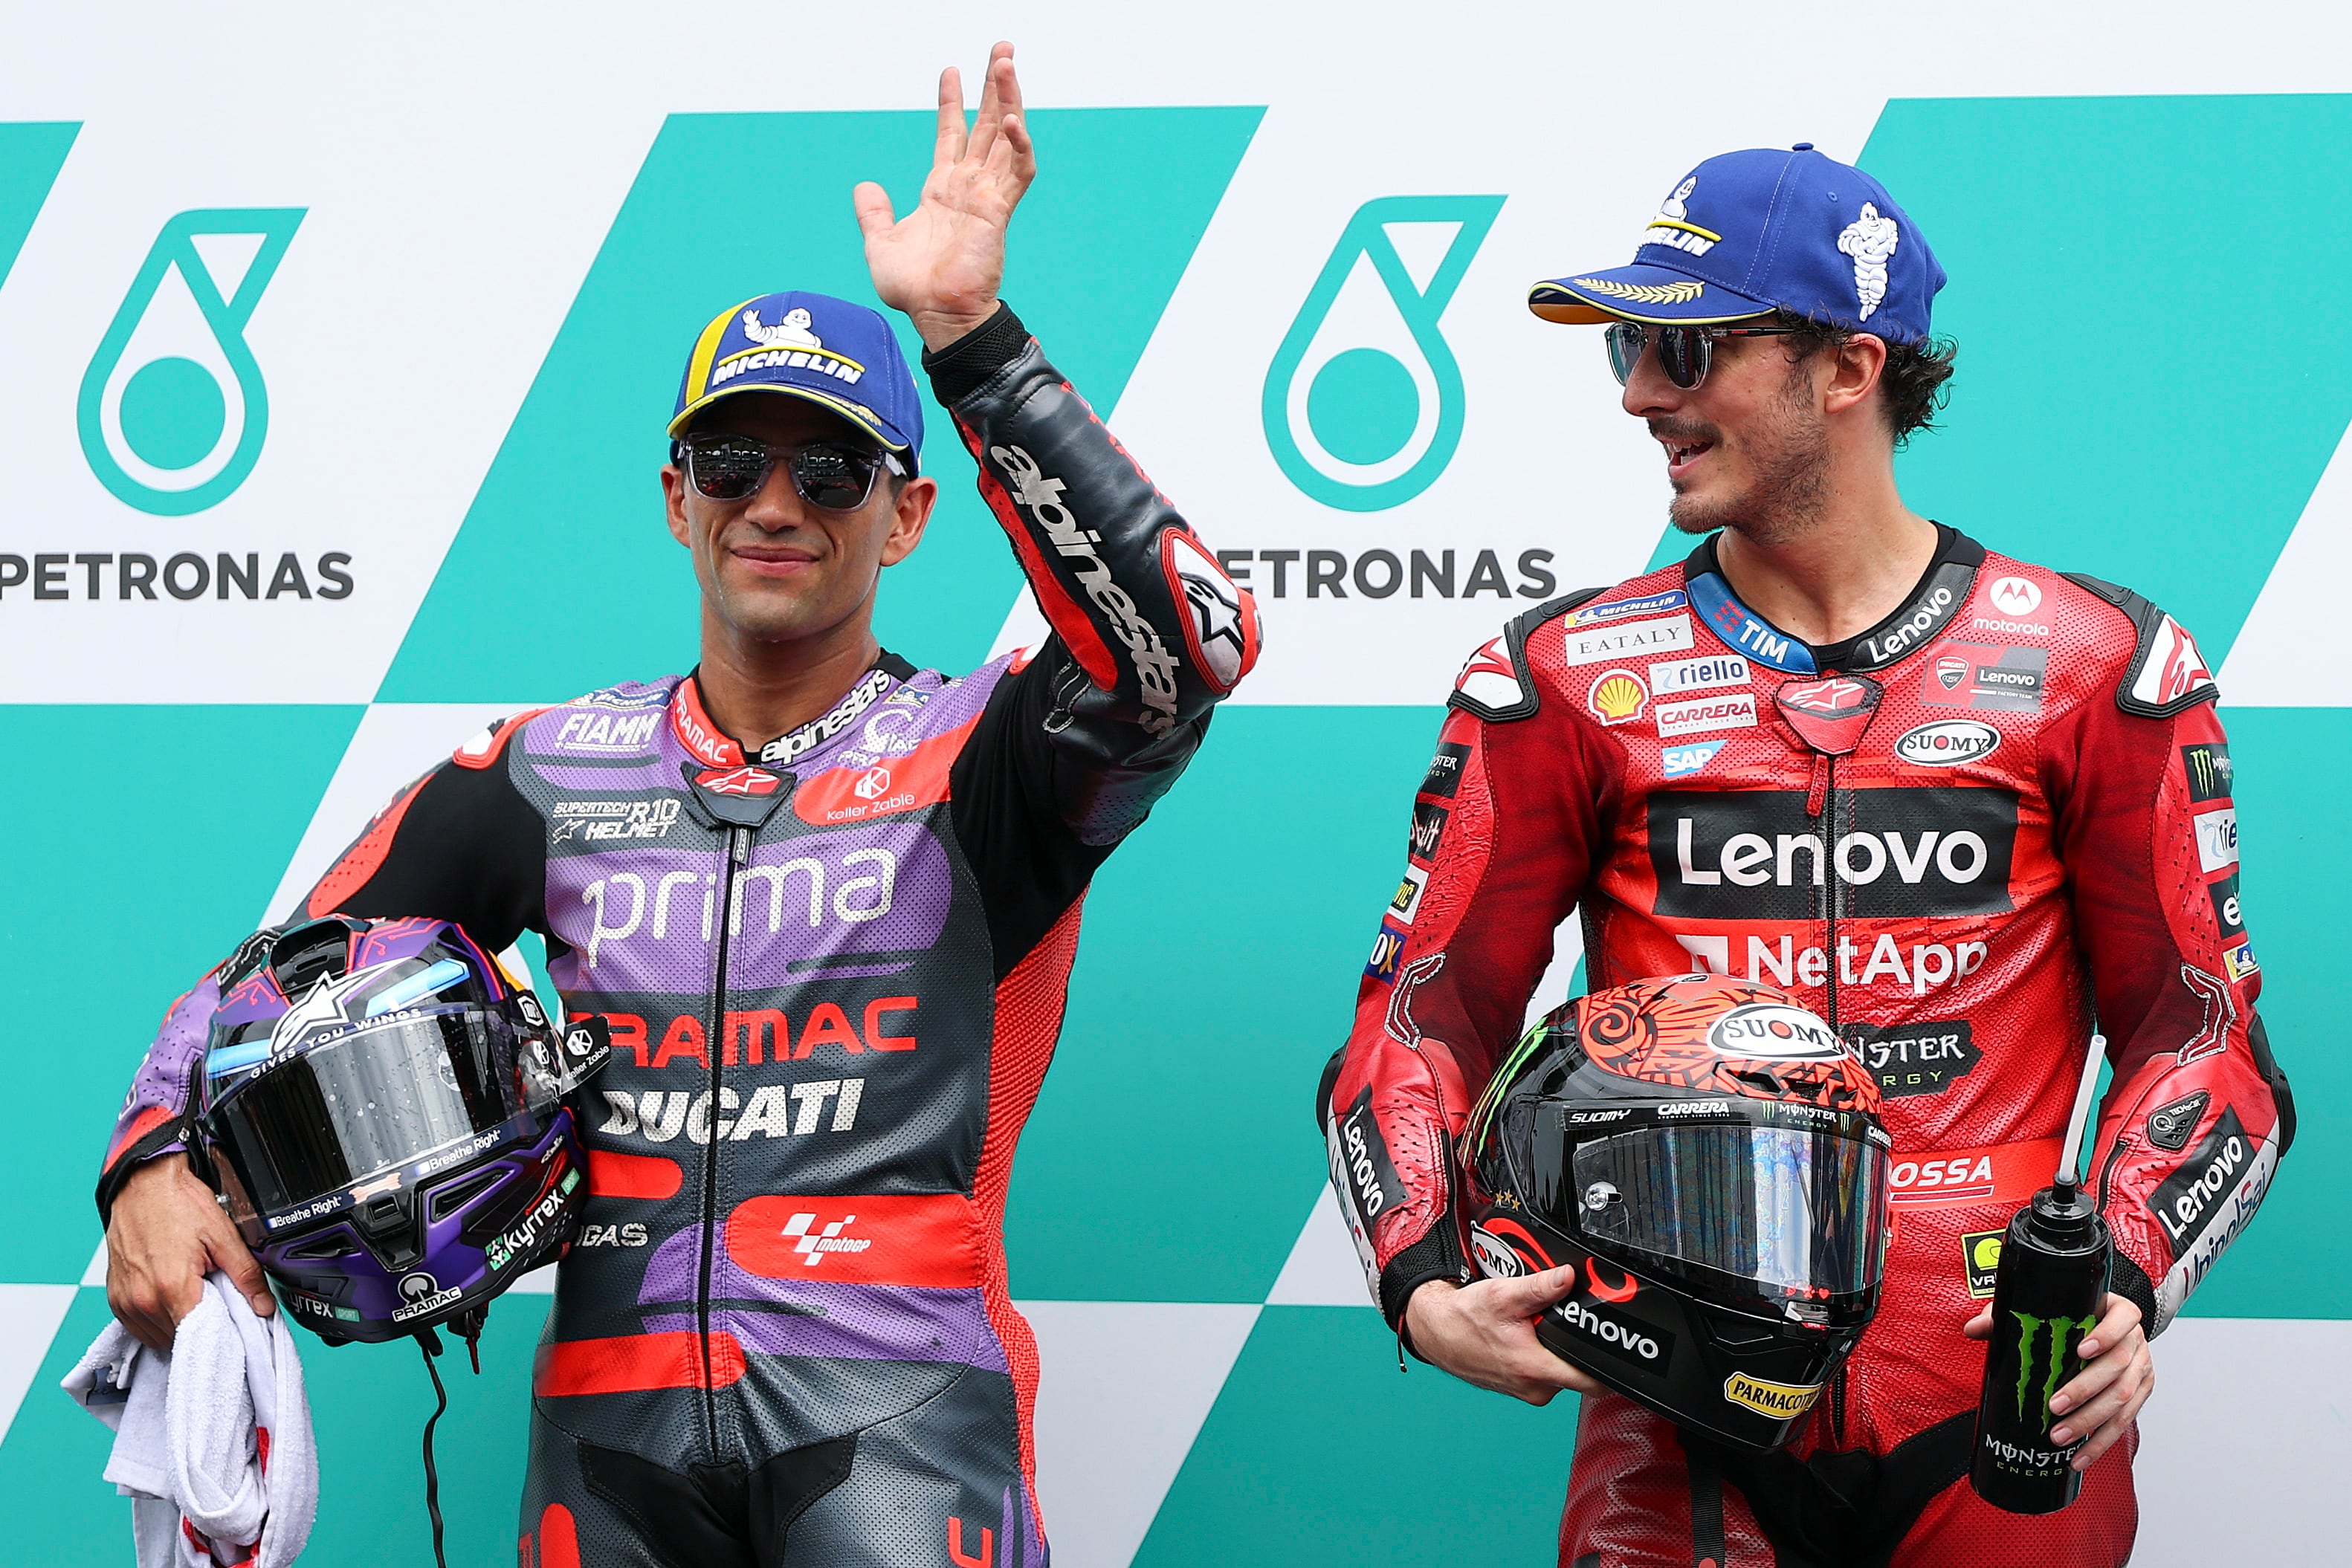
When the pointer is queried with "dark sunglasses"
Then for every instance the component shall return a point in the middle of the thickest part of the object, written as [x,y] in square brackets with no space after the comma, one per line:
[1684,353]
[833,478]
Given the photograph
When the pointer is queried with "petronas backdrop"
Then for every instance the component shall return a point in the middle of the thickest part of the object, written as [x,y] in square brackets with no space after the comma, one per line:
[334,353]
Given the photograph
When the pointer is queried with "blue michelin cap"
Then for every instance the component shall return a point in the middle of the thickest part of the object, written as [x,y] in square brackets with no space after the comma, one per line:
[1762,230]
[840,356]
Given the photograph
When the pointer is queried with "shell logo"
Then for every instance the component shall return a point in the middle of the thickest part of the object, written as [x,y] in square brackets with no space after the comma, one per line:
[1617,697]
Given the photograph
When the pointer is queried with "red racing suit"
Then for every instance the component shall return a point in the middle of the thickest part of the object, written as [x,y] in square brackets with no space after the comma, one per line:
[1997,820]
[835,968]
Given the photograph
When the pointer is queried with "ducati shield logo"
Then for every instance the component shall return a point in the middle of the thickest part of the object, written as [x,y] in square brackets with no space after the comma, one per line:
[1362,405]
[173,408]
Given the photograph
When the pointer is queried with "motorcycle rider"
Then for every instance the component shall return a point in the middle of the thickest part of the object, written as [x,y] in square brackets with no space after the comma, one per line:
[1963,807]
[828,904]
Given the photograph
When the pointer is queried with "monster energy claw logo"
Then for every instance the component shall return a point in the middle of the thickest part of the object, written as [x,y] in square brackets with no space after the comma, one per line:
[1362,404]
[173,408]
[2064,1335]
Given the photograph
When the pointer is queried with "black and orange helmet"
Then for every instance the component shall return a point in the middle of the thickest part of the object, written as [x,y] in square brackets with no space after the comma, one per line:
[1709,1155]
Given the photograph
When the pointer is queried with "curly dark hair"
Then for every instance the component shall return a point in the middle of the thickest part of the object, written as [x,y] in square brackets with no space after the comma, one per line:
[1912,388]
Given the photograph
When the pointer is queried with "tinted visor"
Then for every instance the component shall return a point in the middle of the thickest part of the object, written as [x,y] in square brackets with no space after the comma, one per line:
[1790,1209]
[379,1098]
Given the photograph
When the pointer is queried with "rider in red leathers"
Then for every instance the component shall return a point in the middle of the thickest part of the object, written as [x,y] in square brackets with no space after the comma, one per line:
[1966,808]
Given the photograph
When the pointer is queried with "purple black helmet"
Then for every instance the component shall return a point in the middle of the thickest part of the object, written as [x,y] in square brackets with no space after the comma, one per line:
[382,1108]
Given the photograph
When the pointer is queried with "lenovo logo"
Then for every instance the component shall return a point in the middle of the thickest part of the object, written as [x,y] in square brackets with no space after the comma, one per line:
[1756,856]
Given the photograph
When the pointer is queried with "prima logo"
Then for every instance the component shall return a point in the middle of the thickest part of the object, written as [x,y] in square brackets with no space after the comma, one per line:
[172,408]
[1363,405]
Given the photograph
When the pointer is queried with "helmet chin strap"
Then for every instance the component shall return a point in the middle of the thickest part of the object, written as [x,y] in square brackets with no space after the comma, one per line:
[468,1326]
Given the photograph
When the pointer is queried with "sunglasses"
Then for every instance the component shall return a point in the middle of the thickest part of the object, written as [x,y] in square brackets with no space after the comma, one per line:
[1684,353]
[829,477]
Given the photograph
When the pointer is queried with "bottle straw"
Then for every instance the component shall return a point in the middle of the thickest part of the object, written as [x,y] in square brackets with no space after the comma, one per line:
[2069,1161]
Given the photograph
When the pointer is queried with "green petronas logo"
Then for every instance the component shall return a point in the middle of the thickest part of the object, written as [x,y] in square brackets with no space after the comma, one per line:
[173,409]
[1362,403]
[2060,1336]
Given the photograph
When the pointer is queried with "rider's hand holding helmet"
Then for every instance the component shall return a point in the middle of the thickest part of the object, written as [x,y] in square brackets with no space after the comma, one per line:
[1708,1157]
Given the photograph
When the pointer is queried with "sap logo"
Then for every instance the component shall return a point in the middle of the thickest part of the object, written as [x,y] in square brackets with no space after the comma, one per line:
[1948,742]
[1675,761]
[1155,667]
[1924,967]
[1755,855]
[630,1235]
[774,1111]
[593,731]
[2217,839]
[856,900]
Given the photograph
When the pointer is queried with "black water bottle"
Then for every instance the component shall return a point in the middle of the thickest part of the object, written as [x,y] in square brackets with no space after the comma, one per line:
[2045,1298]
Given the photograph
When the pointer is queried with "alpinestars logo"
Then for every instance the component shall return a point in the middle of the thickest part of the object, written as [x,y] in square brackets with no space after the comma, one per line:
[825,725]
[811,1245]
[1155,666]
[1221,630]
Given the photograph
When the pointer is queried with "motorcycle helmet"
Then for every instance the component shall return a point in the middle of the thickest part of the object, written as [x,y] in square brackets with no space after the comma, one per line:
[382,1108]
[1708,1156]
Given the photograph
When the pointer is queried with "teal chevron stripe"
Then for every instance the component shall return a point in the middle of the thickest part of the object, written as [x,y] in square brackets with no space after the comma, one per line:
[149,839]
[564,577]
[1173,1152]
[31,154]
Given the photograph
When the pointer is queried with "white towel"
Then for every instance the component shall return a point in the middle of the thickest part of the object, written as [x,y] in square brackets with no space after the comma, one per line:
[212,1440]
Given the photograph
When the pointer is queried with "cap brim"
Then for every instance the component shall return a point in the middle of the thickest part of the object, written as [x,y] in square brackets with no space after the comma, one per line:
[1658,296]
[862,418]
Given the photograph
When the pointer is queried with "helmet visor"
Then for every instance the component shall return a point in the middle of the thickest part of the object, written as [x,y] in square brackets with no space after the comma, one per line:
[1790,1209]
[379,1097]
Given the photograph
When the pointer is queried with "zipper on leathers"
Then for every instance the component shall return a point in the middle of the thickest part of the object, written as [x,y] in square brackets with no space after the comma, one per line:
[739,851]
[1820,803]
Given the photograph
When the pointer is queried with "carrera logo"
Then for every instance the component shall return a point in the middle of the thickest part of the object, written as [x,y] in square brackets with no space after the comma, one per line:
[1756,855]
[1780,1401]
[737,781]
[1700,715]
[1947,742]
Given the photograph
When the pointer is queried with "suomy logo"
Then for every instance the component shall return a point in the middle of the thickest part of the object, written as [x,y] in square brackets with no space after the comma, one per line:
[1362,405]
[173,408]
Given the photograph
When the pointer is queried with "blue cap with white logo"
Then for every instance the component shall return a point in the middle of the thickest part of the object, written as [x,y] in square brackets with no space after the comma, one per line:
[840,356]
[1762,230]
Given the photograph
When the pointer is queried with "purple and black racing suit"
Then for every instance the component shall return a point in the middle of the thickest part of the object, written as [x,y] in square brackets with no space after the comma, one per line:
[835,968]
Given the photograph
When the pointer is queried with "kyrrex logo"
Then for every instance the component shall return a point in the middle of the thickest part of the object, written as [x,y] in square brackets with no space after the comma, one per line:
[1362,403]
[173,408]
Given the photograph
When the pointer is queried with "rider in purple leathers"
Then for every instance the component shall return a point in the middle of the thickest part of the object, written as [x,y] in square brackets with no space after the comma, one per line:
[833,953]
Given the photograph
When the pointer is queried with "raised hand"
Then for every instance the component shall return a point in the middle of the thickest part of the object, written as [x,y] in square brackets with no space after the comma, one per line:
[943,263]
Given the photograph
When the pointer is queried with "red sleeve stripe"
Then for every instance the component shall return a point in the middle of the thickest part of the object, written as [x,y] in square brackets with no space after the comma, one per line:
[632,1363]
[363,859]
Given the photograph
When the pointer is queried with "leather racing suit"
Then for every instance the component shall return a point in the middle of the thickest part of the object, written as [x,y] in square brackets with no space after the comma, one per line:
[835,970]
[1961,836]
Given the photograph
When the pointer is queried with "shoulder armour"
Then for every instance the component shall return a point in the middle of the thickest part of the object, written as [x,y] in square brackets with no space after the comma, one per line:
[1496,685]
[2167,675]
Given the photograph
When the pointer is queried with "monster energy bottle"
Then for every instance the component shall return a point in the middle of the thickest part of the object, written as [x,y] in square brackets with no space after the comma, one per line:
[2046,1296]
